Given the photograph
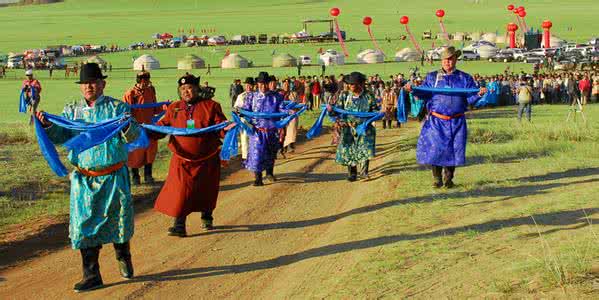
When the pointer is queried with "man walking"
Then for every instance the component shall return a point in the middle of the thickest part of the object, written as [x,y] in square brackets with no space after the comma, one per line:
[101,210]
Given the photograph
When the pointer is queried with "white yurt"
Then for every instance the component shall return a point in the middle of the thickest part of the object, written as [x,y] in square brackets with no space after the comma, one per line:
[284,60]
[407,54]
[459,36]
[146,62]
[475,36]
[234,61]
[489,37]
[554,42]
[331,57]
[96,59]
[501,39]
[370,56]
[486,51]
[189,62]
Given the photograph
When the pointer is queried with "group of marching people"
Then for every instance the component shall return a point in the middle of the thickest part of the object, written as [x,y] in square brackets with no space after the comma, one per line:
[101,210]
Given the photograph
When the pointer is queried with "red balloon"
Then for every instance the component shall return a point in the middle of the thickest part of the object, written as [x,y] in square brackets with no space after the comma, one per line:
[547,24]
[335,11]
[520,8]
[404,20]
[367,21]
[522,13]
[510,7]
[512,27]
[440,13]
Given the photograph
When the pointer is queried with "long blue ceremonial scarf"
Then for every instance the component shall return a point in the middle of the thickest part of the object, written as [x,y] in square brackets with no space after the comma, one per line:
[149,105]
[23,99]
[401,107]
[49,150]
[285,118]
[427,93]
[361,129]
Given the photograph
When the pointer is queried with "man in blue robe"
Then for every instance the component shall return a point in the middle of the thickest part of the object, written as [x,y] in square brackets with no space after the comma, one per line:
[264,142]
[101,210]
[442,141]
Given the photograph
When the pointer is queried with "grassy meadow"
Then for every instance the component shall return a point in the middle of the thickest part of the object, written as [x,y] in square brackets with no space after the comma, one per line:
[547,169]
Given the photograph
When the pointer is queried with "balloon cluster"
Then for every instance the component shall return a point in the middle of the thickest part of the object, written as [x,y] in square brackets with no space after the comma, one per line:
[335,12]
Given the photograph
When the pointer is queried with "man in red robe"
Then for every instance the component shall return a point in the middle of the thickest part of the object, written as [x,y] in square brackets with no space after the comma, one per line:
[142,93]
[193,179]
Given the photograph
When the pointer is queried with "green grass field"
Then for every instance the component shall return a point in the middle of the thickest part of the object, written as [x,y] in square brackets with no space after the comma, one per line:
[547,166]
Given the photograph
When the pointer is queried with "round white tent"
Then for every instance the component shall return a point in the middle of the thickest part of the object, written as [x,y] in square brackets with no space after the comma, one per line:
[459,36]
[189,62]
[146,62]
[486,51]
[234,61]
[407,54]
[284,60]
[501,39]
[489,37]
[370,56]
[331,57]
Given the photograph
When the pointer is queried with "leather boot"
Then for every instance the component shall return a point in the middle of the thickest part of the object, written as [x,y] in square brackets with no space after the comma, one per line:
[207,220]
[448,177]
[135,179]
[437,177]
[178,228]
[352,173]
[123,256]
[148,174]
[364,169]
[270,174]
[91,270]
[258,179]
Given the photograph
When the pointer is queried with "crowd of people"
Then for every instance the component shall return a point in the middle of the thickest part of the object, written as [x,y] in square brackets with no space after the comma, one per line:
[101,206]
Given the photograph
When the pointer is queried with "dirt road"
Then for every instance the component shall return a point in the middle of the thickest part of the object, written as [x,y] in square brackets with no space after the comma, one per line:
[277,241]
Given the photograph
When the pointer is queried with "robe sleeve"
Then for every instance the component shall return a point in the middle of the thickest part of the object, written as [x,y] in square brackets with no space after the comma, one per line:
[471,84]
[59,135]
[157,110]
[247,104]
[219,117]
[164,121]
[132,132]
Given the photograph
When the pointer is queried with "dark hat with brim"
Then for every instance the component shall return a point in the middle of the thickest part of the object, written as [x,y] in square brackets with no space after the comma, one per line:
[263,77]
[249,80]
[355,78]
[89,73]
[189,79]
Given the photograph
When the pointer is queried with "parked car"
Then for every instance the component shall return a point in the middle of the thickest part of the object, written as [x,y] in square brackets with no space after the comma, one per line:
[304,60]
[504,55]
[532,58]
[470,55]
[518,54]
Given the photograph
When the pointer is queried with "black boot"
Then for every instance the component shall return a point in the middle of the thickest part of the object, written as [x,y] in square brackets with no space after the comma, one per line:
[178,228]
[353,173]
[448,177]
[135,180]
[207,220]
[123,256]
[270,174]
[258,179]
[437,177]
[364,169]
[148,174]
[91,271]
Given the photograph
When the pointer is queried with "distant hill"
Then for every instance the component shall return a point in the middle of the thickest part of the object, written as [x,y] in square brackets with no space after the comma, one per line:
[27,2]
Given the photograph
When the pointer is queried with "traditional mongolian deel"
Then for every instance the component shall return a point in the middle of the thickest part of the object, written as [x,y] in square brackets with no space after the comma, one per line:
[137,96]
[193,179]
[443,137]
[101,211]
[354,148]
[264,143]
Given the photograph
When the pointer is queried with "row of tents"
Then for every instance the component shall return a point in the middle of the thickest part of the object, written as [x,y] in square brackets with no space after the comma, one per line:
[486,47]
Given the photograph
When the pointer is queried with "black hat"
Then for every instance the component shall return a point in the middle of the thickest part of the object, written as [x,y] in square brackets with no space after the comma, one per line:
[90,72]
[143,75]
[354,78]
[263,77]
[189,79]
[249,80]
[272,78]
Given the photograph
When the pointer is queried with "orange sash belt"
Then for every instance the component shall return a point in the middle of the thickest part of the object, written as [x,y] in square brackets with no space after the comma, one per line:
[444,117]
[198,159]
[105,171]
